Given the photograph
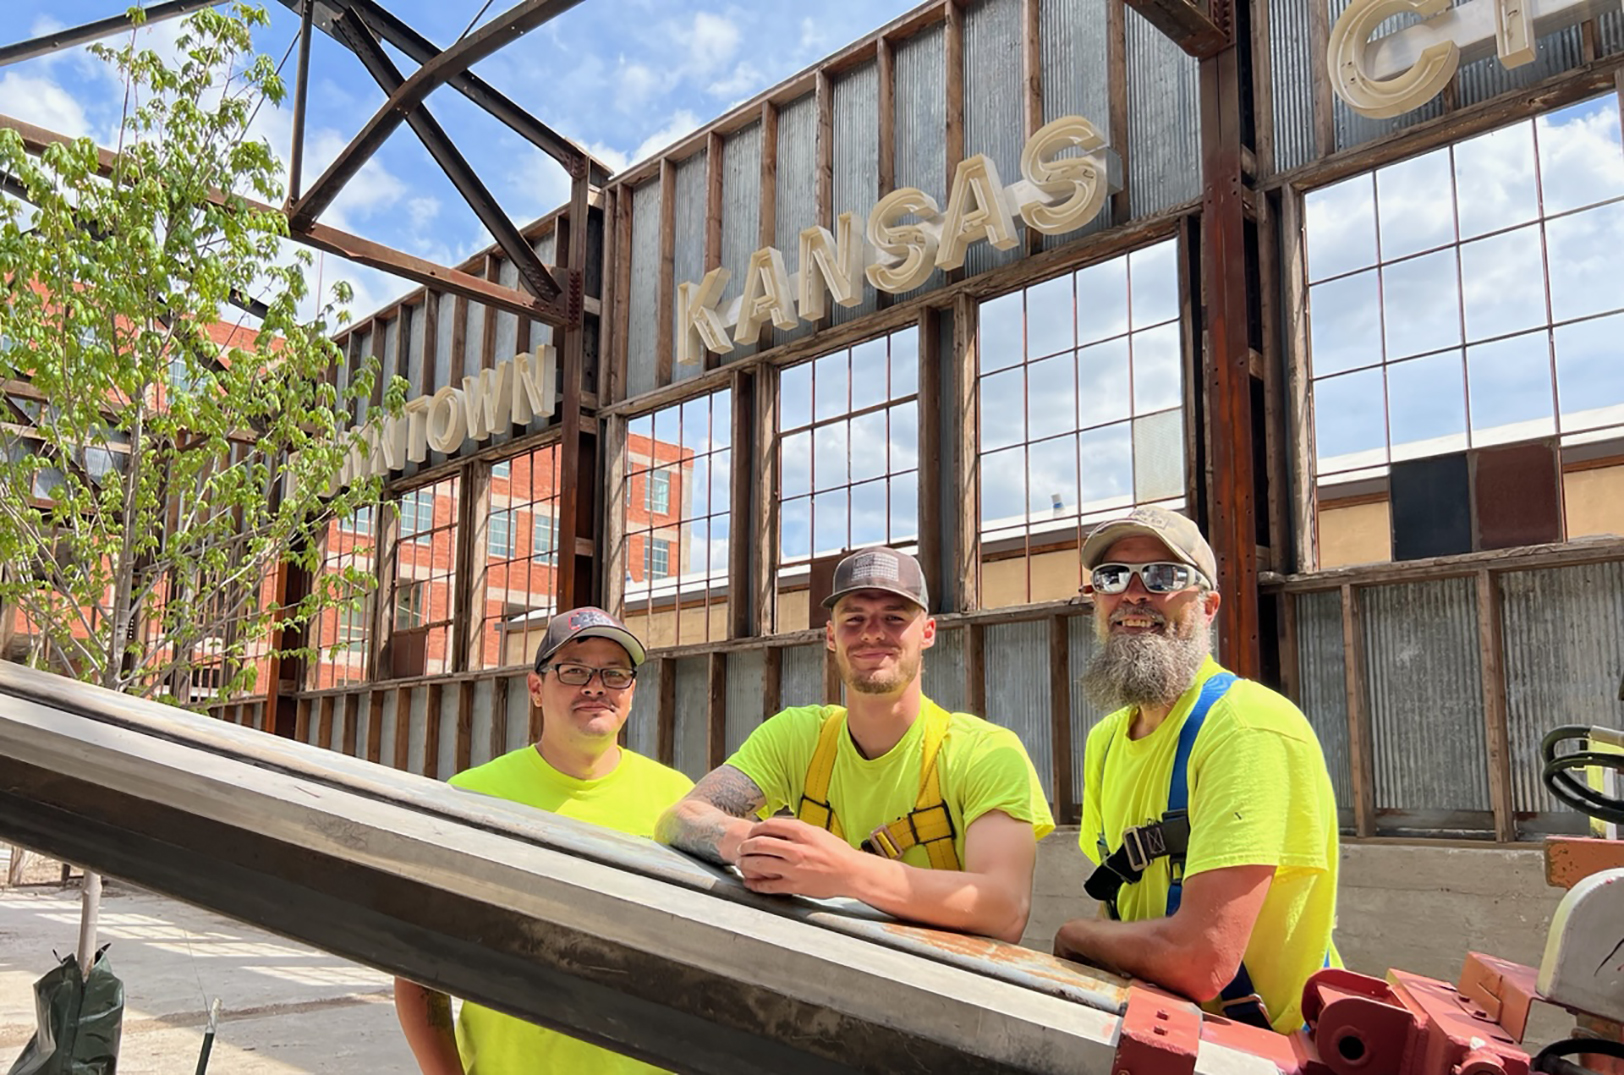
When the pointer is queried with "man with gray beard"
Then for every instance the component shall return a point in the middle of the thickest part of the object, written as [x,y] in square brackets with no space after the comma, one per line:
[1207,808]
[946,806]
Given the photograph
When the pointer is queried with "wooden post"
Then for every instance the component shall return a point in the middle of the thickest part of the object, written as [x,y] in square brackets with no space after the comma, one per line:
[764,505]
[741,591]
[614,516]
[772,680]
[975,668]
[1496,736]
[932,559]
[716,712]
[1361,753]
[1116,66]
[1065,805]
[665,324]
[767,222]
[825,103]
[965,434]
[431,733]
[666,726]
[499,717]
[375,727]
[1299,412]
[1032,99]
[833,688]
[403,728]
[1319,40]
[463,755]
[473,565]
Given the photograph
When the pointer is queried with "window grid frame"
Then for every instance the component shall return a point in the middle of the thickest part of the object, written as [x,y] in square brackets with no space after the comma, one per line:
[523,571]
[450,489]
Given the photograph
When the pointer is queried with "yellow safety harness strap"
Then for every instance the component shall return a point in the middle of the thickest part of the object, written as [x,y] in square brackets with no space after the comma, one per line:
[928,823]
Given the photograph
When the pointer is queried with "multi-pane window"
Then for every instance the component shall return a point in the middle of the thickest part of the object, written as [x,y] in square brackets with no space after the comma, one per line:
[1081,392]
[677,498]
[1461,300]
[848,456]
[520,576]
[423,589]
[341,633]
[499,535]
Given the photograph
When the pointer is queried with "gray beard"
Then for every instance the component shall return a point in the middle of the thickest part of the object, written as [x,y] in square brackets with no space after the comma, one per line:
[1147,669]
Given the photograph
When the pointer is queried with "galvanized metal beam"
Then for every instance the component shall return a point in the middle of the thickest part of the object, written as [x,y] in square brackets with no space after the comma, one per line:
[604,936]
[411,93]
[93,31]
[1185,24]
[519,251]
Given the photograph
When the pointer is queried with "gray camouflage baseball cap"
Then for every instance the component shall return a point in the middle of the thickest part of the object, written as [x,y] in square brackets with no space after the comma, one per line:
[1180,534]
[587,622]
[880,568]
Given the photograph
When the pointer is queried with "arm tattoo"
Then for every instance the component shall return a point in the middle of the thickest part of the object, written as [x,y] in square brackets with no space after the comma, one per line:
[439,1010]
[698,823]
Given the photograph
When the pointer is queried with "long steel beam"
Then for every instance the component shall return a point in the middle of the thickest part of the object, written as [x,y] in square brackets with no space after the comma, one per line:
[437,71]
[607,937]
[1189,27]
[560,312]
[46,44]
[385,24]
[428,130]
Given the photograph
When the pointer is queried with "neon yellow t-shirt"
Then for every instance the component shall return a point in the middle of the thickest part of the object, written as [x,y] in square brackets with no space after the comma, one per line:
[629,799]
[1259,796]
[982,767]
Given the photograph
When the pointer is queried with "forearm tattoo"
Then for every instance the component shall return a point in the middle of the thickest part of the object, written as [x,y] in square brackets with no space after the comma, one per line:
[698,823]
[439,1010]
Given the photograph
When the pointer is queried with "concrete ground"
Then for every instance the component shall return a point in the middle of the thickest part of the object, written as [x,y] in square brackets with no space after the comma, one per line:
[285,1008]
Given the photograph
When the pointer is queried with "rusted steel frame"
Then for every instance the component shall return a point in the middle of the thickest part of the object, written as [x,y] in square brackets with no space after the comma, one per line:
[665,297]
[1231,490]
[742,614]
[1361,751]
[301,98]
[406,97]
[1032,79]
[578,444]
[1185,24]
[428,130]
[421,50]
[1491,647]
[932,522]
[341,243]
[45,44]
[614,518]
[961,439]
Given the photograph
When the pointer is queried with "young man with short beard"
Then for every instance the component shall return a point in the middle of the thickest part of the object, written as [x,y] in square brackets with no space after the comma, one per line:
[947,805]
[1207,808]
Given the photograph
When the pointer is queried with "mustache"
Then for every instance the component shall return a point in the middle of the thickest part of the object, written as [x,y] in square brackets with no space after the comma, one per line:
[1138,612]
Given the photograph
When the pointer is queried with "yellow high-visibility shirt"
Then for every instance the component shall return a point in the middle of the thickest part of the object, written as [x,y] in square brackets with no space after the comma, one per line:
[1260,795]
[630,799]
[982,767]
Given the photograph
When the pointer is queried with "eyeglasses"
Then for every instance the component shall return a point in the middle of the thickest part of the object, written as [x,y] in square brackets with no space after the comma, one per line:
[579,675]
[1157,578]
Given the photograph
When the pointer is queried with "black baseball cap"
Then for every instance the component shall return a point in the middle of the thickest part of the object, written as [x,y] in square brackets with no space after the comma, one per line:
[880,568]
[587,622]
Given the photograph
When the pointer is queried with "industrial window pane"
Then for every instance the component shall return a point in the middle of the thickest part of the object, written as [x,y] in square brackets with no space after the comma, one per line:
[1495,185]
[1051,396]
[1103,383]
[1158,456]
[1156,364]
[1052,478]
[1586,256]
[1581,161]
[1350,430]
[1102,301]
[1589,358]
[904,363]
[1003,487]
[1345,324]
[1417,198]
[1421,301]
[831,456]
[1500,284]
[870,370]
[870,505]
[1511,395]
[1003,409]
[1426,403]
[1341,227]
[1050,317]
[795,464]
[1002,333]
[868,446]
[905,506]
[831,377]
[1107,467]
[520,569]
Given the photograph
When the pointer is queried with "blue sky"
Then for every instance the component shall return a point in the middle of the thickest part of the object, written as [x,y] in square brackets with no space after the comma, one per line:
[621,77]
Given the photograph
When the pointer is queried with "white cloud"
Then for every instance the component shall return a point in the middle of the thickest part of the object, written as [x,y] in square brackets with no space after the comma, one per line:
[743,82]
[636,84]
[41,101]
[711,41]
[422,212]
[681,123]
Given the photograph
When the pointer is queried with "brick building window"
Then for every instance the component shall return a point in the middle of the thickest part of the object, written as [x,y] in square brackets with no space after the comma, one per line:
[343,633]
[520,574]
[423,589]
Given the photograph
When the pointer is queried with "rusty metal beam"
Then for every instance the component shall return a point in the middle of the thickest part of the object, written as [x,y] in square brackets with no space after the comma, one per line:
[421,50]
[558,313]
[519,251]
[93,31]
[405,99]
[301,97]
[1185,24]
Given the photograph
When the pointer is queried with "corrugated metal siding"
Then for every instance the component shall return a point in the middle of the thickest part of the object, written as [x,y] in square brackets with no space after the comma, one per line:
[391,357]
[944,670]
[518,709]
[921,121]
[1610,35]
[363,725]
[800,675]
[1076,78]
[1488,77]
[856,159]
[693,704]
[359,355]
[388,728]
[1081,645]
[1296,71]
[540,333]
[741,215]
[642,333]
[643,726]
[443,325]
[483,720]
[1164,107]
[415,349]
[1424,680]
[690,241]
[1564,643]
[744,668]
[994,105]
[450,704]
[1323,675]
[1018,697]
[795,203]
[335,736]
[507,322]
[417,728]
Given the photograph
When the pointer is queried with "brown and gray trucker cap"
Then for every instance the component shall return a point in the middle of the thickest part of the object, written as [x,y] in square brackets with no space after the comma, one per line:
[880,568]
[587,622]
[1181,536]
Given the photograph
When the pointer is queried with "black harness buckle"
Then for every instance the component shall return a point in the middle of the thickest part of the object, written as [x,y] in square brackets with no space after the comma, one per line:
[1144,844]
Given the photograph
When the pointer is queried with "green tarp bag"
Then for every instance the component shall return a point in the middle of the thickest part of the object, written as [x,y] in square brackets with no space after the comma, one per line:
[80,1021]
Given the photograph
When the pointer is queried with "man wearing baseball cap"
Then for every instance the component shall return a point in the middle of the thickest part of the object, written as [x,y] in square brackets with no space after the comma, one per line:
[1207,808]
[924,814]
[583,681]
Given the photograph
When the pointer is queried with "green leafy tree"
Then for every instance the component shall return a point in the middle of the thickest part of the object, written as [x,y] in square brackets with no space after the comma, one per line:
[150,479]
